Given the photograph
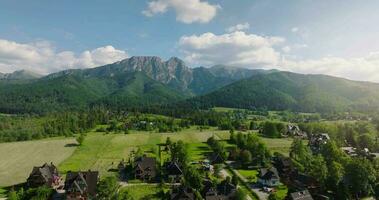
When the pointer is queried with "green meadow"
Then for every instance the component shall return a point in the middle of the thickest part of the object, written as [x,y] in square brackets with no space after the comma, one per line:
[103,152]
[18,158]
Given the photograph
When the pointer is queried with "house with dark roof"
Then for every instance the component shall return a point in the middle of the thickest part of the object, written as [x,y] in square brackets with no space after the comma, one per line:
[45,175]
[145,168]
[301,195]
[81,185]
[268,177]
[217,159]
[182,193]
[173,171]
[317,140]
[223,191]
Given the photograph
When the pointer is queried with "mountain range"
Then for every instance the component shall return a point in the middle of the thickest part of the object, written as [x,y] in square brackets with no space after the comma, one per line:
[145,81]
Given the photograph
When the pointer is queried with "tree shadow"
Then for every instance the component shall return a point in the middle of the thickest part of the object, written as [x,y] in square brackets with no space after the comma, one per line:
[71,145]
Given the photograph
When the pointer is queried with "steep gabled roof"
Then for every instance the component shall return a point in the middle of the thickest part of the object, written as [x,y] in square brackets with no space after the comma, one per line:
[75,180]
[173,168]
[268,173]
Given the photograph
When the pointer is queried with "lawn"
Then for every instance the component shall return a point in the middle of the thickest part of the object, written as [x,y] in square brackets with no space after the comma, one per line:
[144,191]
[281,191]
[250,175]
[280,145]
[103,152]
[18,158]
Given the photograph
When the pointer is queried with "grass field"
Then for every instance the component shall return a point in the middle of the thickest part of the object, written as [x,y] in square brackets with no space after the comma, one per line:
[250,175]
[144,191]
[18,158]
[103,152]
[280,145]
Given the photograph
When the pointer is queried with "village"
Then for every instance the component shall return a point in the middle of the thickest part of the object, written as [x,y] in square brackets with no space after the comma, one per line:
[221,176]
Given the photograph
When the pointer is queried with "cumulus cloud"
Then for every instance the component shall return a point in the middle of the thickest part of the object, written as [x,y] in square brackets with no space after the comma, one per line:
[42,57]
[237,48]
[187,11]
[238,27]
[254,51]
[364,68]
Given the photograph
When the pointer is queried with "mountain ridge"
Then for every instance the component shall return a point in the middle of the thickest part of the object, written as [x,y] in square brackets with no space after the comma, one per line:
[150,81]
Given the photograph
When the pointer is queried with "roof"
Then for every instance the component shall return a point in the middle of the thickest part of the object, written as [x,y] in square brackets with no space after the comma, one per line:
[268,173]
[301,195]
[182,193]
[145,162]
[217,158]
[173,168]
[46,171]
[82,181]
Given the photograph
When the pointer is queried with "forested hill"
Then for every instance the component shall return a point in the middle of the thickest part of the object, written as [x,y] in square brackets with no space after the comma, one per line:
[74,92]
[285,90]
[148,81]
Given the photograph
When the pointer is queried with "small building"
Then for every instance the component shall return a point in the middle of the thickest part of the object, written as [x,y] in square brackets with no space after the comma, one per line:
[182,193]
[268,177]
[217,159]
[45,175]
[284,165]
[223,191]
[351,151]
[317,140]
[145,168]
[301,195]
[81,185]
[174,171]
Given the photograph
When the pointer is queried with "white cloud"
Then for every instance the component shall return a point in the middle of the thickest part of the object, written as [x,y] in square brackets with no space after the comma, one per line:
[187,11]
[294,29]
[361,68]
[238,27]
[237,48]
[42,57]
[254,51]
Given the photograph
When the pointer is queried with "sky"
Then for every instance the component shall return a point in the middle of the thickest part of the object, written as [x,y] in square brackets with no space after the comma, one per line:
[332,37]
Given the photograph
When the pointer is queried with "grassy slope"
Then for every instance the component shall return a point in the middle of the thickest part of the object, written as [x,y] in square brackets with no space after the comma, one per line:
[18,158]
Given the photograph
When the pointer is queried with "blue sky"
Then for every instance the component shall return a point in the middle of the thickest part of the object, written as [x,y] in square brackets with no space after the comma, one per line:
[307,36]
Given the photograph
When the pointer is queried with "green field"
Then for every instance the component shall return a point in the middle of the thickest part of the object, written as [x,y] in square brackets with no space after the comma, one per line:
[144,191]
[280,145]
[250,175]
[102,152]
[18,158]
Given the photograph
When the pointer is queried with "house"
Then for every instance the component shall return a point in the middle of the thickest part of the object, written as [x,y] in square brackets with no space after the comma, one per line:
[351,151]
[268,177]
[284,166]
[217,159]
[294,130]
[45,175]
[223,191]
[303,181]
[301,195]
[182,193]
[173,171]
[145,168]
[81,185]
[317,140]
